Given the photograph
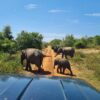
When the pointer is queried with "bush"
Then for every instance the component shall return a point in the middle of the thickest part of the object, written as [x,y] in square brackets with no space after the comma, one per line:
[80,44]
[29,40]
[69,41]
[9,64]
[55,42]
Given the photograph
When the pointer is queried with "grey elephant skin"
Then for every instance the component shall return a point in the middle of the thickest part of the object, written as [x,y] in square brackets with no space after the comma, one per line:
[65,51]
[62,65]
[32,56]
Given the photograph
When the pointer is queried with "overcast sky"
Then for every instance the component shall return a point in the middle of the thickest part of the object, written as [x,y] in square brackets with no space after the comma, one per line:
[52,18]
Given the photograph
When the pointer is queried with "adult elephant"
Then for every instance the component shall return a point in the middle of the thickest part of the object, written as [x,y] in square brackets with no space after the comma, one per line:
[68,51]
[62,65]
[65,51]
[34,56]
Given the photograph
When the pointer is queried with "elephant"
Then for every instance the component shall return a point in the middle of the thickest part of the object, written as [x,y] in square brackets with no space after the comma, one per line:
[65,51]
[34,56]
[55,49]
[62,65]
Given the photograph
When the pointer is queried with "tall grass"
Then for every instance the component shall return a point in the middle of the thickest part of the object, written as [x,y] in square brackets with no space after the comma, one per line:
[89,61]
[9,63]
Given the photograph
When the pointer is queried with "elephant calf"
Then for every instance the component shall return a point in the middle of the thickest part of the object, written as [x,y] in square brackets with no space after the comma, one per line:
[62,65]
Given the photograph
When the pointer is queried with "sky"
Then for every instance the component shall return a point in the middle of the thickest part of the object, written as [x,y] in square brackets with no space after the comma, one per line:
[51,18]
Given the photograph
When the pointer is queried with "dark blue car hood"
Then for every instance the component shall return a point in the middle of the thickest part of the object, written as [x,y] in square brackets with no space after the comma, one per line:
[16,87]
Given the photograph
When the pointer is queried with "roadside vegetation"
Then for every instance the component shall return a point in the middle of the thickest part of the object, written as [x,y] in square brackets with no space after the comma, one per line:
[88,65]
[86,61]
[10,63]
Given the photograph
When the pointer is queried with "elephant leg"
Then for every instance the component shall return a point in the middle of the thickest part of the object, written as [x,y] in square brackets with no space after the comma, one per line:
[62,55]
[28,66]
[66,56]
[70,71]
[58,69]
[39,67]
[64,69]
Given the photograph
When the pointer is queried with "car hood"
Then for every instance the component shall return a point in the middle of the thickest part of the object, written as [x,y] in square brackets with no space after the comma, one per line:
[17,87]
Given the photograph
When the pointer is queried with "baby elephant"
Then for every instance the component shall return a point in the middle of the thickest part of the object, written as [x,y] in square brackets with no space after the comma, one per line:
[62,65]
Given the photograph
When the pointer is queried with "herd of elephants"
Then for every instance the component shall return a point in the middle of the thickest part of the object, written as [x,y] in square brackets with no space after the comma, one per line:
[35,56]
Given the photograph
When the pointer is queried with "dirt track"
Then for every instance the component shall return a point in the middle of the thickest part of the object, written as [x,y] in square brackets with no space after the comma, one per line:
[48,69]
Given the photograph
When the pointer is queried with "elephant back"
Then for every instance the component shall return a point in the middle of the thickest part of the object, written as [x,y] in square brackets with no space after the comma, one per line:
[32,52]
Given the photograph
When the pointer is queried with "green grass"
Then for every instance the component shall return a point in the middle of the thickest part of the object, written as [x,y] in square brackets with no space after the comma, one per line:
[89,66]
[9,64]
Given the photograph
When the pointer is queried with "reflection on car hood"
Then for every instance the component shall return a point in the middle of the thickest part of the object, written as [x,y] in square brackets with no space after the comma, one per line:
[16,87]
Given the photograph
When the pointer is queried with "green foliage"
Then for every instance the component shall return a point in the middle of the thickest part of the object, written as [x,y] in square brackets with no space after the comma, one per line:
[29,40]
[90,42]
[7,32]
[55,42]
[9,64]
[90,61]
[7,45]
[1,36]
[80,44]
[97,40]
[69,41]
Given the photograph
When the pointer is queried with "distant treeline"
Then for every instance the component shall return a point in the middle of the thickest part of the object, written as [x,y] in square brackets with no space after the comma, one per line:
[71,41]
[35,40]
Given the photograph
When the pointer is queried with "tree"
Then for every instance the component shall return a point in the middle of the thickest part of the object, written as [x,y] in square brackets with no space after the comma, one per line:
[7,32]
[97,40]
[69,40]
[29,40]
[90,42]
[36,40]
[55,42]
[79,44]
[1,36]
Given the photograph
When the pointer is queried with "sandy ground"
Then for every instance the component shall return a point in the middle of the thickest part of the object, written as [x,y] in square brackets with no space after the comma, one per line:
[48,69]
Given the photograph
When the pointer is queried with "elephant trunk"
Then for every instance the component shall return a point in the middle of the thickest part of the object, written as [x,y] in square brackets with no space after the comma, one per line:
[22,59]
[22,56]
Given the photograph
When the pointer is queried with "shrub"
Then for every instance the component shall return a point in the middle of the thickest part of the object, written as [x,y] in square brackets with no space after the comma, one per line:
[9,64]
[80,44]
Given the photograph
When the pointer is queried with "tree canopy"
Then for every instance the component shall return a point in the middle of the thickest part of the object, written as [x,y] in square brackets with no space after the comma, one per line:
[7,32]
[29,40]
